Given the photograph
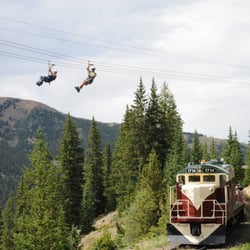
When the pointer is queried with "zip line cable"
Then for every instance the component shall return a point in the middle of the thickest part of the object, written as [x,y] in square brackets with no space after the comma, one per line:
[84,36]
[111,69]
[23,57]
[68,40]
[137,48]
[114,68]
[152,52]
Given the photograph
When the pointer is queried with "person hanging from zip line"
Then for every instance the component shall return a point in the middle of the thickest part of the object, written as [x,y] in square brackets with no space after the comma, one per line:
[52,74]
[89,79]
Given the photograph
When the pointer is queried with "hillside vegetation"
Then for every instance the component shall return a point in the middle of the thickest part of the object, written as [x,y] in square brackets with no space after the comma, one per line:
[19,121]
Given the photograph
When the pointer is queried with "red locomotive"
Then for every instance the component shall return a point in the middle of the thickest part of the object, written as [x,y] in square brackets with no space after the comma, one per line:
[204,204]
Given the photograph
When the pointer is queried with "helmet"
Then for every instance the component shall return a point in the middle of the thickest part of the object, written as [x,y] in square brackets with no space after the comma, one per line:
[92,68]
[54,70]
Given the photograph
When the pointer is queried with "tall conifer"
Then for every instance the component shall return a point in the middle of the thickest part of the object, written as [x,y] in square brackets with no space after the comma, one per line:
[246,180]
[93,200]
[196,149]
[172,121]
[155,120]
[41,224]
[237,160]
[138,126]
[174,158]
[232,154]
[144,212]
[124,167]
[108,192]
[131,150]
[204,152]
[71,162]
[227,149]
[212,150]
[150,123]
[8,224]
[1,226]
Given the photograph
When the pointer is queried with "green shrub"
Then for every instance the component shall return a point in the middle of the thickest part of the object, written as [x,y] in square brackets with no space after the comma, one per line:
[104,242]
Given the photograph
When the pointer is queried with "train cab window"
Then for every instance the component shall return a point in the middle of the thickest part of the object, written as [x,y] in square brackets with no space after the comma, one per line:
[194,178]
[208,178]
[181,179]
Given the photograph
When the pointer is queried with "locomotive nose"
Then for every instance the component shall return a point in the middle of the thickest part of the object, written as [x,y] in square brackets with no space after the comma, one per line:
[198,193]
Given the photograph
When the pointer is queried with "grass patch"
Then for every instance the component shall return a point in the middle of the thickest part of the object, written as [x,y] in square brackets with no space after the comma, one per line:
[245,246]
[149,244]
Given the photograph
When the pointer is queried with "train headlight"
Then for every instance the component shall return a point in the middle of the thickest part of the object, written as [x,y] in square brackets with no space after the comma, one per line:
[211,189]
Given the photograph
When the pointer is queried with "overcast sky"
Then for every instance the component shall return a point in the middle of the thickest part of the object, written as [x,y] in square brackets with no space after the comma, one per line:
[200,48]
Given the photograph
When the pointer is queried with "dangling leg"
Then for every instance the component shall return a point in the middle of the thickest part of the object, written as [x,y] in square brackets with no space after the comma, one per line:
[81,86]
[83,83]
[40,81]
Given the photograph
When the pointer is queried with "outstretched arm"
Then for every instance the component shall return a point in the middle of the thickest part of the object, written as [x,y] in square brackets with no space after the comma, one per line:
[89,65]
[50,68]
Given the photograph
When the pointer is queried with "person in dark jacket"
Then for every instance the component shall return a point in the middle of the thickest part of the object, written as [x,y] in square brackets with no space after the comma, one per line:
[52,74]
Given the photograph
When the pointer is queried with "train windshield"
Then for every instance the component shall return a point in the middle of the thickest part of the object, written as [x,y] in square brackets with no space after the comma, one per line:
[209,178]
[194,178]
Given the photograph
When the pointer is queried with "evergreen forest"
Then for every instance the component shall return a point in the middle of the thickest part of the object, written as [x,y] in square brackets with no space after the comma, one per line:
[59,196]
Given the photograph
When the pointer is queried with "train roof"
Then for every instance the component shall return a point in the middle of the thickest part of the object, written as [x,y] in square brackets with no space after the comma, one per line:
[209,167]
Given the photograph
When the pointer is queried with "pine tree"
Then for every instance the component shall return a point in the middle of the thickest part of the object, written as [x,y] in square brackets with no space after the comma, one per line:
[236,159]
[232,154]
[144,211]
[171,121]
[1,225]
[204,152]
[196,149]
[88,203]
[137,125]
[227,149]
[149,123]
[108,192]
[174,136]
[176,158]
[130,151]
[212,150]
[93,200]
[8,224]
[246,180]
[71,161]
[186,153]
[156,124]
[40,223]
[24,197]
